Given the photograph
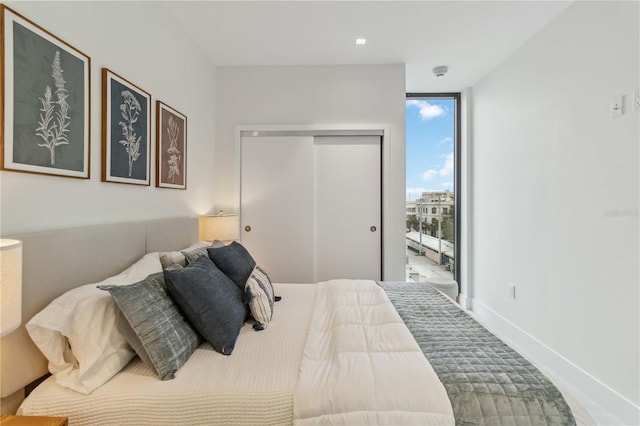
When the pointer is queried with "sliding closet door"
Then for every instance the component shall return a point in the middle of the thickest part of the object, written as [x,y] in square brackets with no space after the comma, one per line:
[348,207]
[277,205]
[311,206]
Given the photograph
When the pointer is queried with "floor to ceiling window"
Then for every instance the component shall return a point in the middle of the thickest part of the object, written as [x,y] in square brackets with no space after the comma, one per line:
[432,185]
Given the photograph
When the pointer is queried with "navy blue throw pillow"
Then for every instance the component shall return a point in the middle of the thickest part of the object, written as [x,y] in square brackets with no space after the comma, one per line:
[235,261]
[211,302]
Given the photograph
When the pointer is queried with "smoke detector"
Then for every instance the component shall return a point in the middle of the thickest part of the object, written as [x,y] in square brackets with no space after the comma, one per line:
[440,71]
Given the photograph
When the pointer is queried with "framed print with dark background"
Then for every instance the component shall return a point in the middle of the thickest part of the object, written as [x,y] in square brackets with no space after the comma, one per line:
[171,147]
[126,131]
[45,101]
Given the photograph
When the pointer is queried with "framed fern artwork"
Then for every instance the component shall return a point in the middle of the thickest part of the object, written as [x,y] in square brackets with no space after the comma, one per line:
[126,131]
[171,147]
[46,99]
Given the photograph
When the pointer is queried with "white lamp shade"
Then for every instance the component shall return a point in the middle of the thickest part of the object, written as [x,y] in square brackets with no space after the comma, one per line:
[10,285]
[224,227]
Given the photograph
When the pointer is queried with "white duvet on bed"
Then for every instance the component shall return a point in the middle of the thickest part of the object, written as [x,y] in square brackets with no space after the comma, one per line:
[253,386]
[362,366]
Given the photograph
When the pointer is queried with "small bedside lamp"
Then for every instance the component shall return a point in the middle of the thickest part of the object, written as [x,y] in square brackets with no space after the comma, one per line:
[223,227]
[10,285]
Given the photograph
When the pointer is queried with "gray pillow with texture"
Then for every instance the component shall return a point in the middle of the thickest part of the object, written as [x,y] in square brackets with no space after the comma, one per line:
[154,327]
[172,258]
[210,301]
[177,257]
[192,255]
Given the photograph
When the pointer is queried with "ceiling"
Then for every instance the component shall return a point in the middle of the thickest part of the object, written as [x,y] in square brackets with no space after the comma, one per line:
[470,37]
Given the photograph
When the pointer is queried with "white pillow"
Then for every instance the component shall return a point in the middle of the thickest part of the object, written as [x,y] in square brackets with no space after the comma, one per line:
[78,332]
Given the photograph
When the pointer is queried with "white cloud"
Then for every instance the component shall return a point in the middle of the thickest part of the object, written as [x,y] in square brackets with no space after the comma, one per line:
[445,140]
[415,193]
[447,184]
[427,110]
[429,174]
[447,168]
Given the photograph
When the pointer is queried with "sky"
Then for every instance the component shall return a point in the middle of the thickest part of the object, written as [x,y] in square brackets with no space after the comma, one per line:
[429,133]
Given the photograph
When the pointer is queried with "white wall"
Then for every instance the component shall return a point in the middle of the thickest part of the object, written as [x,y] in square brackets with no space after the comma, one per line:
[555,185]
[140,42]
[315,95]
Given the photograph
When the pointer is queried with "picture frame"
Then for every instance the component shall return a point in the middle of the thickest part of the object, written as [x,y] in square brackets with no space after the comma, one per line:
[126,131]
[46,101]
[171,147]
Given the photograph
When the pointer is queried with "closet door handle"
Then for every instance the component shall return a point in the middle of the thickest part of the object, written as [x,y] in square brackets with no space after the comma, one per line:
[373,229]
[247,228]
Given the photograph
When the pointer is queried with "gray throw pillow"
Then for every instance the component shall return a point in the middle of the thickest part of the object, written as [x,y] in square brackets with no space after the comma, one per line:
[192,255]
[172,258]
[235,261]
[156,330]
[210,301]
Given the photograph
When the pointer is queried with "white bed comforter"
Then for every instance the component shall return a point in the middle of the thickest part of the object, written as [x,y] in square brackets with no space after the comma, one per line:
[368,371]
[361,365]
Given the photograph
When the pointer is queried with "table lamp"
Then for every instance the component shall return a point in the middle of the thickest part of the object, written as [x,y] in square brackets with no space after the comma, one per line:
[223,227]
[10,285]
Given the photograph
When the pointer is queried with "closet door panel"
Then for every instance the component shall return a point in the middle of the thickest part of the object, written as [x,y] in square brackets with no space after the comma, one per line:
[277,204]
[348,235]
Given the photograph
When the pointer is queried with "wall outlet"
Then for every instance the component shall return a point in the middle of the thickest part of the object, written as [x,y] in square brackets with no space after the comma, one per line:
[512,291]
[616,107]
[636,100]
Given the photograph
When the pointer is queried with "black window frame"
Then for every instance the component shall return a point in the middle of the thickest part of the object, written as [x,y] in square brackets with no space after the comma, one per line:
[457,181]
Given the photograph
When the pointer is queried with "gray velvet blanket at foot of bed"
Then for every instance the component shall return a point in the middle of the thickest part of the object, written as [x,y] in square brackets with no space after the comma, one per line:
[488,383]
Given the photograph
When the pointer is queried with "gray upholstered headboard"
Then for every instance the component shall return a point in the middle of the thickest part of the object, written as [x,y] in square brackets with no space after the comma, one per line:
[57,261]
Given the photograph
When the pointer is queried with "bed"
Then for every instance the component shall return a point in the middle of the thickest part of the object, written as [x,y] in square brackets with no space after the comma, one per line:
[337,352]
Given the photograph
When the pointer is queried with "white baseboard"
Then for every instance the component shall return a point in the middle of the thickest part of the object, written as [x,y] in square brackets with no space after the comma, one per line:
[605,405]
[465,301]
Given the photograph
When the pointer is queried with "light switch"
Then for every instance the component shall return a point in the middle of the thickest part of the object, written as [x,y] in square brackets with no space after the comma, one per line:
[616,106]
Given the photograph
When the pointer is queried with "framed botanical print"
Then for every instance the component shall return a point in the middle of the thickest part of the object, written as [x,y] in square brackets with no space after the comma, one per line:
[126,131]
[171,147]
[46,97]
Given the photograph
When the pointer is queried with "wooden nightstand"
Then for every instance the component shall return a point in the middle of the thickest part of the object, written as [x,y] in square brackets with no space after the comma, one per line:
[33,421]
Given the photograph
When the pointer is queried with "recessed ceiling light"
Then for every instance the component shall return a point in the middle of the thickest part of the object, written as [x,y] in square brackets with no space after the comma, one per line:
[361,41]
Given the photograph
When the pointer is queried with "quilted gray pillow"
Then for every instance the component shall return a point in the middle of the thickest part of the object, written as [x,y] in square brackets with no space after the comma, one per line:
[168,258]
[156,330]
[210,301]
[192,255]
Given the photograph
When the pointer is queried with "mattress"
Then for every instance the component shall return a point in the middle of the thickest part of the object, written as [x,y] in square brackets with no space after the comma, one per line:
[209,386]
